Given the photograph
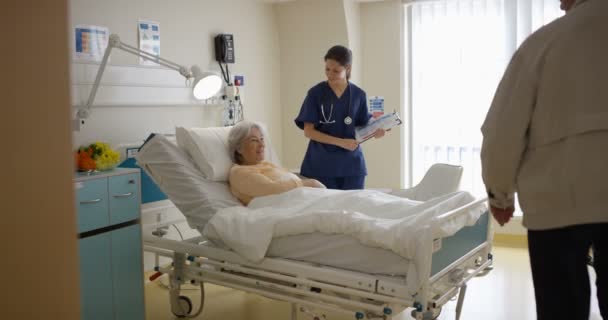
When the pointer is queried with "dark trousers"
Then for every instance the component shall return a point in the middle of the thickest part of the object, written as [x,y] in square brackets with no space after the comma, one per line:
[558,258]
[343,183]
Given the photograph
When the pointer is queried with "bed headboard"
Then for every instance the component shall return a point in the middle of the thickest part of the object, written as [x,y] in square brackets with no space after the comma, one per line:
[150,192]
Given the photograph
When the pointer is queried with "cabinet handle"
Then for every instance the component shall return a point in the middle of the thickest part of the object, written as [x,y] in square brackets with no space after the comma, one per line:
[90,201]
[123,195]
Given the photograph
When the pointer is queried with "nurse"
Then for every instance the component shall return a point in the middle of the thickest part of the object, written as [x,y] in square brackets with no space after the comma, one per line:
[330,112]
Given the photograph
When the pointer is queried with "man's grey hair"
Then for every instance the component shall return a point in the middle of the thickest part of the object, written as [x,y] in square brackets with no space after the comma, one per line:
[239,132]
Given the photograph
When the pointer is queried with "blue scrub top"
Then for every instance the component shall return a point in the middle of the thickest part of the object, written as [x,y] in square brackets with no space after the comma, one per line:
[325,160]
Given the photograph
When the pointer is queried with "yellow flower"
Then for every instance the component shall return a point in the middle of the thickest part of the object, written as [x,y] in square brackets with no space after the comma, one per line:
[105,158]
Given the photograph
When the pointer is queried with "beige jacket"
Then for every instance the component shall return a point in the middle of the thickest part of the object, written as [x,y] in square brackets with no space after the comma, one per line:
[546,133]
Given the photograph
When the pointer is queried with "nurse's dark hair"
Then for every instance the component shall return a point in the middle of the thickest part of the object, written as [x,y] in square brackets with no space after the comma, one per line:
[341,55]
[239,132]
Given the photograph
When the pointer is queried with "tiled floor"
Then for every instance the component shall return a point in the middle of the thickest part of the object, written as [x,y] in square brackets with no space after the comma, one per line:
[505,293]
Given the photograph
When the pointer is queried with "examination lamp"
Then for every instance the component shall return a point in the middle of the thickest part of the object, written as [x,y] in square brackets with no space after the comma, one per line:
[204,84]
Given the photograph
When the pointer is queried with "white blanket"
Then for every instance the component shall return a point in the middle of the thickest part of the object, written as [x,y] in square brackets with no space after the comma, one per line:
[374,218]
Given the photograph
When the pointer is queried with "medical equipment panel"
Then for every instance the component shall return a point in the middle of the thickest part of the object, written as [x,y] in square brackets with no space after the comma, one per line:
[110,245]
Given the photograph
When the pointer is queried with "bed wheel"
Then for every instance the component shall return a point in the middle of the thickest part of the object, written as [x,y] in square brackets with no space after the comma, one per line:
[185,305]
[428,315]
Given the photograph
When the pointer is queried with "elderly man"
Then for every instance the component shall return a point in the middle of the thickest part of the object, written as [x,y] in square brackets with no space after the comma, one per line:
[546,138]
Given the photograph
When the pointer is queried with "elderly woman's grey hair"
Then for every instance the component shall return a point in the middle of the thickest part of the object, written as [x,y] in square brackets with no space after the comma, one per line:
[239,132]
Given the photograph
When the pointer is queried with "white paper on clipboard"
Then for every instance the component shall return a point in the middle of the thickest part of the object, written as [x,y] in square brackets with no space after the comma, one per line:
[385,122]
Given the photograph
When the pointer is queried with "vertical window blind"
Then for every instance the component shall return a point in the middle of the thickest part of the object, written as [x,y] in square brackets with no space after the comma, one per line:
[458,51]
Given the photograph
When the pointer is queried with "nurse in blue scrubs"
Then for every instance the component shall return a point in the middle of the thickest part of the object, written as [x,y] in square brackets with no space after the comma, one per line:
[330,112]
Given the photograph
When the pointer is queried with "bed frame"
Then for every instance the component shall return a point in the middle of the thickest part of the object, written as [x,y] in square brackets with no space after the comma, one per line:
[312,288]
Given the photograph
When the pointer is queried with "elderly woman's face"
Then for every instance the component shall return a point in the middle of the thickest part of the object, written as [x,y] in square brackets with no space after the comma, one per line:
[252,147]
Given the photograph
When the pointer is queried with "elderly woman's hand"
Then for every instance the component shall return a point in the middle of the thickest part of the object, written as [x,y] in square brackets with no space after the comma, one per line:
[313,183]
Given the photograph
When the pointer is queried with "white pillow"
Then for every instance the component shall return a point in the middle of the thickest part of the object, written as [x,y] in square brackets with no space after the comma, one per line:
[208,147]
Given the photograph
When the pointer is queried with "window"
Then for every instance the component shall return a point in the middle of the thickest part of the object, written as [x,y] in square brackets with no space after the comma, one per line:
[458,52]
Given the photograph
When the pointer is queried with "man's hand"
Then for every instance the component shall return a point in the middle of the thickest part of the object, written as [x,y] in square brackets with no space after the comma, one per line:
[502,216]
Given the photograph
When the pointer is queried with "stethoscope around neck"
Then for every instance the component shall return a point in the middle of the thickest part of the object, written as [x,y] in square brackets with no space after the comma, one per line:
[327,120]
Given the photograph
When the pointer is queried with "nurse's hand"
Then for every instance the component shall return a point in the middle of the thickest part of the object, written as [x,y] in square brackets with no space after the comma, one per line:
[379,133]
[349,144]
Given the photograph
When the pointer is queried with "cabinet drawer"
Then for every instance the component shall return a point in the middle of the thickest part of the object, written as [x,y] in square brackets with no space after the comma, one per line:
[124,198]
[92,204]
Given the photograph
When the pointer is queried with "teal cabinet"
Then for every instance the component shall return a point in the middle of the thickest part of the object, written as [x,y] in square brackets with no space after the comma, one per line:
[110,245]
[127,275]
[96,277]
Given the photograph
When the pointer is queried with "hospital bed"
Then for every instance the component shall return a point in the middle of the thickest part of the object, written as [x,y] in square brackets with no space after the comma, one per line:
[344,276]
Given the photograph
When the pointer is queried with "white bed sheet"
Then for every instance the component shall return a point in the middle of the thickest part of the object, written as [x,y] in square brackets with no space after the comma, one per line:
[337,251]
[376,219]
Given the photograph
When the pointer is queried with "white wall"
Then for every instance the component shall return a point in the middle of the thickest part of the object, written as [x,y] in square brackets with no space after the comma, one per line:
[373,32]
[308,28]
[381,39]
[352,14]
[187,28]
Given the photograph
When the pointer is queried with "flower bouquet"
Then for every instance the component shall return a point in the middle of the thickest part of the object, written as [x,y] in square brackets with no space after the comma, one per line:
[96,156]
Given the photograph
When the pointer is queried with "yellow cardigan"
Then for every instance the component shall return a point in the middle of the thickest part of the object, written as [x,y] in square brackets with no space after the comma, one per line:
[248,182]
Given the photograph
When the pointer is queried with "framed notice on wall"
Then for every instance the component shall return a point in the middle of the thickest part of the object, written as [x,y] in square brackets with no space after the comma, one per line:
[90,42]
[149,39]
[376,106]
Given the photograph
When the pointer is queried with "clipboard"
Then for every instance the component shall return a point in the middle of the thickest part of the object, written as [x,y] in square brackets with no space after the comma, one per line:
[387,121]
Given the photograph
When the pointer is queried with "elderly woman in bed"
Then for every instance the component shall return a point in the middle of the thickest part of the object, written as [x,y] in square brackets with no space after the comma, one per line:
[251,176]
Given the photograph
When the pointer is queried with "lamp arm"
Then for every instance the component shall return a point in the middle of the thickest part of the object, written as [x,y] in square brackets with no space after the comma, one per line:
[114,42]
[162,61]
[84,112]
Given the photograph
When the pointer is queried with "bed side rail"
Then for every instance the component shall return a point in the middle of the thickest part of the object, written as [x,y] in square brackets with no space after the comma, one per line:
[453,214]
[352,279]
[462,253]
